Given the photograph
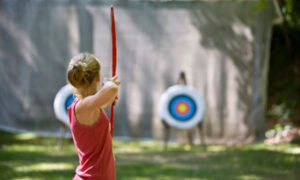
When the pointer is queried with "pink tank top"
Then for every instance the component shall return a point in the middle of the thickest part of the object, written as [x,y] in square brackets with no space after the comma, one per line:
[94,146]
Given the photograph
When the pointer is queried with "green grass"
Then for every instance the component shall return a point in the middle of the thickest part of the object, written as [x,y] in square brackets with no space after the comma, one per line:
[25,156]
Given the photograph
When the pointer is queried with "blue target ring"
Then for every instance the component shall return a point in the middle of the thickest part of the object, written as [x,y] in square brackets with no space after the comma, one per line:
[69,101]
[182,107]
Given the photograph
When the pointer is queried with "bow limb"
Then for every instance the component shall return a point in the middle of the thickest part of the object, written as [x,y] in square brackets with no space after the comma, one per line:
[114,61]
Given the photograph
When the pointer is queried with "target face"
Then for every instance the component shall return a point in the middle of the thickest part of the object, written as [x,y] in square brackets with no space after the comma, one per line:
[181,107]
[62,101]
[69,101]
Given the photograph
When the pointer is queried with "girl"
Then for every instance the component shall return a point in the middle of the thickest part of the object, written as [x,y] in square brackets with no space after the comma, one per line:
[88,122]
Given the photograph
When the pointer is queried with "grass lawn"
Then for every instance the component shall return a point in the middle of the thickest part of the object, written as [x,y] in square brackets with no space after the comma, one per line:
[25,156]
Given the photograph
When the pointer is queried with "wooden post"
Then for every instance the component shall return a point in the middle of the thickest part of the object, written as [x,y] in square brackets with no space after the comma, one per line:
[63,128]
[201,134]
[167,129]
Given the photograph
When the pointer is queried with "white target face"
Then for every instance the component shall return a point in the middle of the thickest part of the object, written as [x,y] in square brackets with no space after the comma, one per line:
[181,107]
[62,101]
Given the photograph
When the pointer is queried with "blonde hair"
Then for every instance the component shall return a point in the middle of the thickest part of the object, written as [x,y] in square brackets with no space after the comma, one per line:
[82,70]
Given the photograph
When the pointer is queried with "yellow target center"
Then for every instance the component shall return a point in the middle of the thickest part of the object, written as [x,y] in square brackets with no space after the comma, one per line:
[182,108]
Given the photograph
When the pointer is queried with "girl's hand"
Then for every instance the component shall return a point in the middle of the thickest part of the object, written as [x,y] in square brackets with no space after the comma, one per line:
[111,80]
[112,83]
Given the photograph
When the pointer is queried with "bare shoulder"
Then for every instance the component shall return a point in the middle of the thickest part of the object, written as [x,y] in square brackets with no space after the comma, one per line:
[85,115]
[84,105]
[78,107]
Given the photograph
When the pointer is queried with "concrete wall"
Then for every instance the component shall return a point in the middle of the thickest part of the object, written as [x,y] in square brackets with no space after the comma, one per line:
[223,46]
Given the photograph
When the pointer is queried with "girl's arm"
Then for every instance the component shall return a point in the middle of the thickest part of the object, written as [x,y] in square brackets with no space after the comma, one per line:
[103,98]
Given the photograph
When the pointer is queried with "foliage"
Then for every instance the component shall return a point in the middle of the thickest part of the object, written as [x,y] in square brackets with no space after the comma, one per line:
[288,9]
[284,78]
[277,130]
[25,156]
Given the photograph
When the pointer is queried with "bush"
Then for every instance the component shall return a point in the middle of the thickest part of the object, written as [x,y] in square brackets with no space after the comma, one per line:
[284,77]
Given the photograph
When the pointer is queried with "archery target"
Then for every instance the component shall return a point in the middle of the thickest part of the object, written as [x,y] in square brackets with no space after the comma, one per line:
[62,101]
[181,106]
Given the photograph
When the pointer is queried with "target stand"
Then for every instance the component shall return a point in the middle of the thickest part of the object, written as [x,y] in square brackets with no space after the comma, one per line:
[182,107]
[62,101]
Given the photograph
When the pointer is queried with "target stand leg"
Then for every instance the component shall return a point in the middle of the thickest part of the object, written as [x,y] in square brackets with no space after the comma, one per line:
[190,137]
[63,128]
[201,134]
[167,129]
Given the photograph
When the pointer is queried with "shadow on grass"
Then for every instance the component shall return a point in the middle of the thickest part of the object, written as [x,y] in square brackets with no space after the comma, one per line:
[46,174]
[229,164]
[30,157]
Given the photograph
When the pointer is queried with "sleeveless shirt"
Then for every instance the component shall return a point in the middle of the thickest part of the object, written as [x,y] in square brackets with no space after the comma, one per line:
[94,146]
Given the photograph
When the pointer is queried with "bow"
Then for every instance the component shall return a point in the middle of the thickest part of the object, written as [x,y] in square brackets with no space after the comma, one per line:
[114,61]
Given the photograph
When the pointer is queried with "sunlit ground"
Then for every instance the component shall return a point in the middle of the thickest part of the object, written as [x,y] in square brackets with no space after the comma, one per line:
[25,156]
